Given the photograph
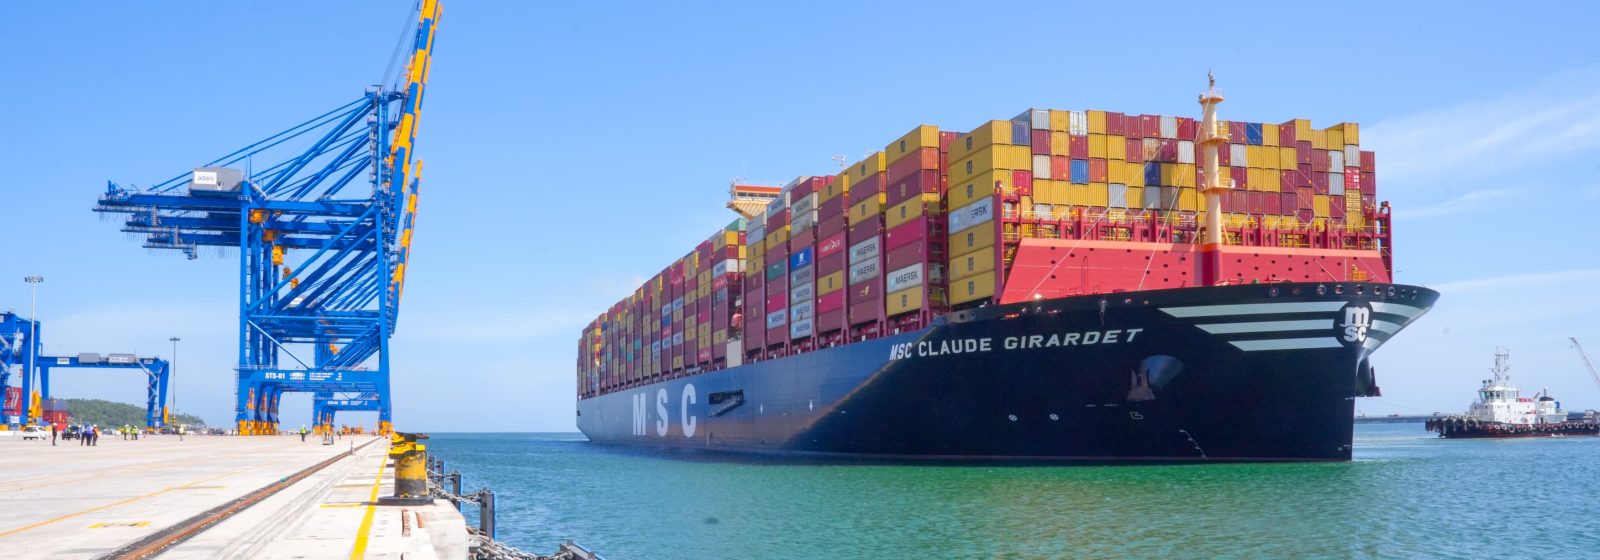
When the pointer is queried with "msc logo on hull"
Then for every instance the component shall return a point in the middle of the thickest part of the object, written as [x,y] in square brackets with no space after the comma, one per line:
[641,412]
[1357,321]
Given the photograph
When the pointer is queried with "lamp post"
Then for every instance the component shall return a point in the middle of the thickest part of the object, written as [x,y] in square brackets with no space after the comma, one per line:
[172,376]
[33,338]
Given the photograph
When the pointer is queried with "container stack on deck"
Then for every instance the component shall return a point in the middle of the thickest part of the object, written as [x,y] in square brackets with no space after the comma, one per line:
[1047,204]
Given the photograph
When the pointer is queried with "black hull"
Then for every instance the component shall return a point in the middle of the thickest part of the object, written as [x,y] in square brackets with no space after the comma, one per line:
[1461,428]
[1231,373]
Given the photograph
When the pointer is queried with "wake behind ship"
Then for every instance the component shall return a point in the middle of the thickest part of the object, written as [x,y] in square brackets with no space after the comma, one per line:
[1053,287]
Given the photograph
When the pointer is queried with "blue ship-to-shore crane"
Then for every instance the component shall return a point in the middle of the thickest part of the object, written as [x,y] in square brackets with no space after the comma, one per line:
[321,261]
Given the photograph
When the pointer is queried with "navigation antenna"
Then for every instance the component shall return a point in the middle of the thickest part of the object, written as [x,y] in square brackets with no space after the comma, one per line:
[1502,366]
[1586,363]
[1212,136]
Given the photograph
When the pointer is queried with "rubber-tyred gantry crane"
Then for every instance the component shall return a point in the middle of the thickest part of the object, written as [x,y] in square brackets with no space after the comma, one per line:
[323,233]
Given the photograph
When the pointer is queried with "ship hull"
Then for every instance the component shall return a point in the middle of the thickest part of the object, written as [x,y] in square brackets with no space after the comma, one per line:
[1459,428]
[1229,373]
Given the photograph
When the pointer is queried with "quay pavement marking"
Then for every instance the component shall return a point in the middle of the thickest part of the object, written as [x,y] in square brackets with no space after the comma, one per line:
[360,550]
[117,503]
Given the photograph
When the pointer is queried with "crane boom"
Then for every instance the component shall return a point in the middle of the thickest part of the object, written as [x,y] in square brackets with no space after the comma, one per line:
[1586,362]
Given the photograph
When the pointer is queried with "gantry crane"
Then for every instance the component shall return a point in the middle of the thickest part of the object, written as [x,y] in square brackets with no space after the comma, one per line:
[323,233]
[20,337]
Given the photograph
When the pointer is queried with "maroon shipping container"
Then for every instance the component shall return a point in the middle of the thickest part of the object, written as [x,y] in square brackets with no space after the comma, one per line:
[830,208]
[1168,153]
[777,254]
[1336,211]
[863,231]
[1303,198]
[1319,161]
[777,220]
[1240,176]
[704,354]
[832,225]
[808,185]
[923,159]
[905,233]
[1022,181]
[1078,146]
[1286,202]
[831,263]
[1186,128]
[1115,124]
[866,311]
[871,186]
[1150,126]
[1286,134]
[1319,182]
[869,290]
[831,301]
[1134,150]
[1040,142]
[829,321]
[907,255]
[914,185]
[804,238]
[1302,152]
[1224,154]
[1369,183]
[1236,132]
[1369,161]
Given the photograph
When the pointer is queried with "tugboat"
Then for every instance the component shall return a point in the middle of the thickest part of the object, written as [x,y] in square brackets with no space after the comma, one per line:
[1502,412]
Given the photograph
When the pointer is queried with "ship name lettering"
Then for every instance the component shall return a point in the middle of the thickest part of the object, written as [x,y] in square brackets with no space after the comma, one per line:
[1114,336]
[661,412]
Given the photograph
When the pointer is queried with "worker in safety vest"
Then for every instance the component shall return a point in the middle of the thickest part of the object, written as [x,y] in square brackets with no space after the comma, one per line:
[302,433]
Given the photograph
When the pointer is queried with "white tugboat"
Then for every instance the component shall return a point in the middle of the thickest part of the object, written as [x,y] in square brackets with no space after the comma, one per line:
[1502,411]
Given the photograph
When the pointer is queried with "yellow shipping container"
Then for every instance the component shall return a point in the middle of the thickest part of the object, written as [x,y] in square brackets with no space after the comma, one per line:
[1097,122]
[1050,191]
[1189,199]
[840,185]
[989,159]
[1092,194]
[904,300]
[777,237]
[1319,139]
[868,209]
[1060,142]
[872,165]
[704,332]
[1352,132]
[1116,147]
[1097,144]
[981,186]
[972,239]
[1135,197]
[1269,135]
[705,277]
[924,136]
[1133,174]
[1335,136]
[1115,170]
[1287,158]
[720,337]
[992,132]
[910,210]
[978,261]
[1185,176]
[1302,130]
[1060,121]
[830,283]
[972,289]
[1319,205]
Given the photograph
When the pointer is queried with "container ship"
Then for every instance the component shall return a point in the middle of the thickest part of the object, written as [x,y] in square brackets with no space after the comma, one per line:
[1502,412]
[1063,285]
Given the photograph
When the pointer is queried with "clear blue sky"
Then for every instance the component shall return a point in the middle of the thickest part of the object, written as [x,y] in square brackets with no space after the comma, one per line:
[574,148]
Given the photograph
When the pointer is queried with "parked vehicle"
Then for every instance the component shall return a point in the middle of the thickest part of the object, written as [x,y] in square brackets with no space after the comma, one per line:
[34,432]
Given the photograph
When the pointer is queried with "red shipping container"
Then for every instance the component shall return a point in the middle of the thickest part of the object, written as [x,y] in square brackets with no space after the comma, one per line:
[1115,124]
[1097,171]
[923,159]
[1078,146]
[1319,161]
[1369,183]
[905,233]
[1022,181]
[1236,132]
[914,185]
[1041,142]
[1168,153]
[1352,179]
[1302,152]
[831,301]
[809,185]
[1258,202]
[777,300]
[1150,126]
[1060,167]
[871,186]
[1319,182]
[1134,151]
[1336,211]
[1241,201]
[702,312]
[1303,198]
[1224,155]
[946,137]
[1369,203]
[803,238]
[1286,134]
[866,312]
[1305,174]
[1186,128]
[704,355]
[831,245]
[830,321]
[832,263]
[869,290]
[777,253]
[720,282]
[1286,202]
[1369,161]
[1240,176]
[830,208]
[907,255]
[832,225]
[862,231]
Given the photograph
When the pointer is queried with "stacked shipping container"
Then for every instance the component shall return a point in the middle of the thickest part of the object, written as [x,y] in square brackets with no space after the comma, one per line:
[934,221]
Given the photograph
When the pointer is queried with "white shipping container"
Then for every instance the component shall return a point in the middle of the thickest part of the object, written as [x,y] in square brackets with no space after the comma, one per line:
[1152,197]
[1078,123]
[1335,160]
[1044,211]
[978,212]
[865,249]
[801,329]
[803,276]
[1336,184]
[865,271]
[755,235]
[1040,118]
[803,292]
[1352,155]
[720,268]
[1238,155]
[777,318]
[1169,127]
[905,278]
[803,221]
[1118,195]
[800,311]
[807,203]
[1185,151]
[677,339]
[1041,166]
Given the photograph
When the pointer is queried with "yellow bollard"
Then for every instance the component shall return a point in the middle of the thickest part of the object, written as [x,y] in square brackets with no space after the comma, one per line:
[410,468]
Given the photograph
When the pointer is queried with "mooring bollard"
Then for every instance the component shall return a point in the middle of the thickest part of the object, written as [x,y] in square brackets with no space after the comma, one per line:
[410,468]
[455,486]
[486,512]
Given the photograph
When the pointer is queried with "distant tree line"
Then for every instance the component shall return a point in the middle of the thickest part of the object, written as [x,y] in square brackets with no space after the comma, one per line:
[107,413]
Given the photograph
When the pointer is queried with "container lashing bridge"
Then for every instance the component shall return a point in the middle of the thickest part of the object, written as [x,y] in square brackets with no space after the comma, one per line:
[323,236]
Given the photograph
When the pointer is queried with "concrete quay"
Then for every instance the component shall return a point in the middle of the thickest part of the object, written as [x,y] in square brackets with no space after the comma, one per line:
[73,501]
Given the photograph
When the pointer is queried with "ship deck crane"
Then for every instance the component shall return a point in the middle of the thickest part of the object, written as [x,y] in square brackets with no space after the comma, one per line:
[1586,363]
[323,236]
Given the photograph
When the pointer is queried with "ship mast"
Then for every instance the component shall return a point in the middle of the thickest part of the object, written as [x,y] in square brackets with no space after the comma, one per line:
[1211,138]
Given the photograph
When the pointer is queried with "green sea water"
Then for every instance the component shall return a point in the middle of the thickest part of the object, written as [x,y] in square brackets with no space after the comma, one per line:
[1406,495]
